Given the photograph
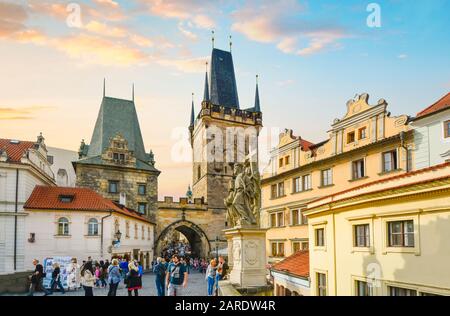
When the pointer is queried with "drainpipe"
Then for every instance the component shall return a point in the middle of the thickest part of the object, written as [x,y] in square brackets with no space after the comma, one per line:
[101,235]
[16,210]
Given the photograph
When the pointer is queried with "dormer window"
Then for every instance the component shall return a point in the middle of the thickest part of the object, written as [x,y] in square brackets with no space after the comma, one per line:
[66,198]
[350,137]
[119,157]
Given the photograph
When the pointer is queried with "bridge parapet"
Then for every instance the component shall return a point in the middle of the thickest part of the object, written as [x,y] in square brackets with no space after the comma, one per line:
[182,204]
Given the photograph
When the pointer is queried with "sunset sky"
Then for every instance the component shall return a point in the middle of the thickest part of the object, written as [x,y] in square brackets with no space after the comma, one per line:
[312,57]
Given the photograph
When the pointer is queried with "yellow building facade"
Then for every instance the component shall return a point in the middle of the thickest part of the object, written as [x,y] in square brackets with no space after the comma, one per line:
[367,144]
[390,237]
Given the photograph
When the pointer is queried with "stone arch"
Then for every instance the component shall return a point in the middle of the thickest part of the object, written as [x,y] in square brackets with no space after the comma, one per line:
[196,236]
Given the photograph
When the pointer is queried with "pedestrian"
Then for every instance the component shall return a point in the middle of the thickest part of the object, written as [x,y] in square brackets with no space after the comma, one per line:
[176,277]
[222,269]
[160,272]
[98,273]
[211,276]
[73,277]
[88,278]
[56,279]
[36,279]
[134,282]
[124,268]
[113,277]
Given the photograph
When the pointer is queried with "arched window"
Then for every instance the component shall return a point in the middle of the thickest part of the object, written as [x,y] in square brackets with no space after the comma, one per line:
[143,232]
[63,226]
[135,231]
[93,227]
[62,179]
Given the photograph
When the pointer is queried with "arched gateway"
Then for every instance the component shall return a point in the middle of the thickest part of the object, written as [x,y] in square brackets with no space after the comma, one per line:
[198,241]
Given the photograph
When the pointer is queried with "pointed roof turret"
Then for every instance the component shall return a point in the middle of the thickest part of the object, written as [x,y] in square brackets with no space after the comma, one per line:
[192,113]
[223,80]
[206,90]
[257,104]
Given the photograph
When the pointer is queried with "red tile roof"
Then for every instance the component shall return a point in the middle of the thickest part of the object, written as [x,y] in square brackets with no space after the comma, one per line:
[84,199]
[443,103]
[297,264]
[13,150]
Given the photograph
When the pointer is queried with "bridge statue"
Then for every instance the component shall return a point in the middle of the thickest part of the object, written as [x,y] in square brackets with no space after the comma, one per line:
[244,197]
[245,239]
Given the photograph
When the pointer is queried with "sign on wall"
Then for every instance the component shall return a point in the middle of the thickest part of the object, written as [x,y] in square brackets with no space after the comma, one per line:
[64,265]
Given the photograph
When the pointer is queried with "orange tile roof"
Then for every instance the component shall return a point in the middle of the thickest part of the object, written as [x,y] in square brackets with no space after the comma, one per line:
[84,199]
[443,103]
[15,151]
[297,264]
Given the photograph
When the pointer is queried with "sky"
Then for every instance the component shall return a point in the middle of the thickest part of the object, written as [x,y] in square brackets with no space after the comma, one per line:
[311,58]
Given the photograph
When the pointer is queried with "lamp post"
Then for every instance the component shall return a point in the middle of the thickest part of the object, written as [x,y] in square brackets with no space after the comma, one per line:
[118,236]
[217,248]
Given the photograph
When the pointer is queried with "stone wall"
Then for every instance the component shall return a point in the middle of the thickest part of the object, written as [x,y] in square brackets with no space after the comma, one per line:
[97,177]
[15,283]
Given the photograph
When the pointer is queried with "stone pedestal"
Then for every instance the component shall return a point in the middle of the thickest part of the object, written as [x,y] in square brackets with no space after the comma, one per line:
[247,256]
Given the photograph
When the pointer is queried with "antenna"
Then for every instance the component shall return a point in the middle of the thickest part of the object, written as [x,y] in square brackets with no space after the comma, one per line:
[231,43]
[212,38]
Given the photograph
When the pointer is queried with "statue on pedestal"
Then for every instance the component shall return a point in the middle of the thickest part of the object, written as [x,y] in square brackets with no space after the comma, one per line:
[244,196]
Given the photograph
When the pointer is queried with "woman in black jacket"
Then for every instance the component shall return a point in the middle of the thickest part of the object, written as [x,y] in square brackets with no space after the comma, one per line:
[56,279]
[134,281]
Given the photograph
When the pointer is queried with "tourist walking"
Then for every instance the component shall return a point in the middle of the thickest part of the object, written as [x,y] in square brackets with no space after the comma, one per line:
[56,279]
[211,276]
[124,269]
[113,277]
[134,281]
[88,278]
[36,279]
[176,277]
[160,276]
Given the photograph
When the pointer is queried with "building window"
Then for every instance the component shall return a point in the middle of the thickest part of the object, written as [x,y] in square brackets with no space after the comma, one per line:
[280,189]
[296,247]
[296,185]
[63,226]
[127,229]
[358,169]
[143,232]
[305,245]
[148,233]
[327,177]
[320,237]
[362,133]
[277,249]
[304,219]
[199,172]
[350,137]
[295,218]
[273,191]
[93,227]
[398,291]
[142,189]
[286,160]
[66,198]
[120,158]
[113,186]
[135,231]
[447,129]
[362,235]
[142,208]
[321,284]
[280,162]
[306,182]
[389,161]
[363,288]
[401,233]
[280,219]
[273,220]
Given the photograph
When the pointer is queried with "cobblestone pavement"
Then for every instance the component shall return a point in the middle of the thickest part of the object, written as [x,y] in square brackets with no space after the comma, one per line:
[196,287]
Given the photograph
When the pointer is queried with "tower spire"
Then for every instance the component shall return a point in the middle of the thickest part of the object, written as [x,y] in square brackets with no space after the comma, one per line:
[231,43]
[104,87]
[212,38]
[132,92]
[257,104]
[206,90]
[192,113]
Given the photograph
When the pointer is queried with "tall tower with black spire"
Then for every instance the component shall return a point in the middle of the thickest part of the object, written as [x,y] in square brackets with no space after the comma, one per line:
[220,135]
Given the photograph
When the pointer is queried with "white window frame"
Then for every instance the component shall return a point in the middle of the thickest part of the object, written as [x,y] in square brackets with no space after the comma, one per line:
[386,218]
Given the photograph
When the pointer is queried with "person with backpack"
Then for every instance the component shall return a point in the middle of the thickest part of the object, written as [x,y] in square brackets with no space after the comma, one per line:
[36,279]
[88,278]
[114,277]
[176,277]
[160,271]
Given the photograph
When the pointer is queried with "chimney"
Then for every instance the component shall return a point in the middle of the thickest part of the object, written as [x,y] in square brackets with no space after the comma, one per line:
[123,199]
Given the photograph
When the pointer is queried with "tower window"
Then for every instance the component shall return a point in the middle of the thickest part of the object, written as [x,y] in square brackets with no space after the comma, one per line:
[199,172]
[113,186]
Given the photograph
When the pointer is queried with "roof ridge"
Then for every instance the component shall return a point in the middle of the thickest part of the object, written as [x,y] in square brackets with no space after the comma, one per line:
[435,103]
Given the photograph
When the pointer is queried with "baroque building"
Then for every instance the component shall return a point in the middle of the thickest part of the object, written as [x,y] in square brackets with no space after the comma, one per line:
[115,163]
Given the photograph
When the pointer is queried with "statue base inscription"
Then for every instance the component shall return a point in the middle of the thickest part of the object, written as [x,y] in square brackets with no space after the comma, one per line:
[247,256]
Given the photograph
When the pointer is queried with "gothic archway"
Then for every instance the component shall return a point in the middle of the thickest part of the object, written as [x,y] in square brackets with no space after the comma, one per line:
[194,234]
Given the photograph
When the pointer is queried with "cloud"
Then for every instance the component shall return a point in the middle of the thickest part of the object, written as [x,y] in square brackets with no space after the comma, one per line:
[186,32]
[280,23]
[285,82]
[12,19]
[193,11]
[24,113]
[190,65]
[402,56]
[106,30]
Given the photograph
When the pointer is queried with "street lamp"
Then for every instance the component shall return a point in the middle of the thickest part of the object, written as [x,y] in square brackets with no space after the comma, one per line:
[118,236]
[217,248]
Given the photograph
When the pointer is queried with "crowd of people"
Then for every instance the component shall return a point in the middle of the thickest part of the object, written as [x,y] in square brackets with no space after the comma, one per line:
[176,247]
[171,275]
